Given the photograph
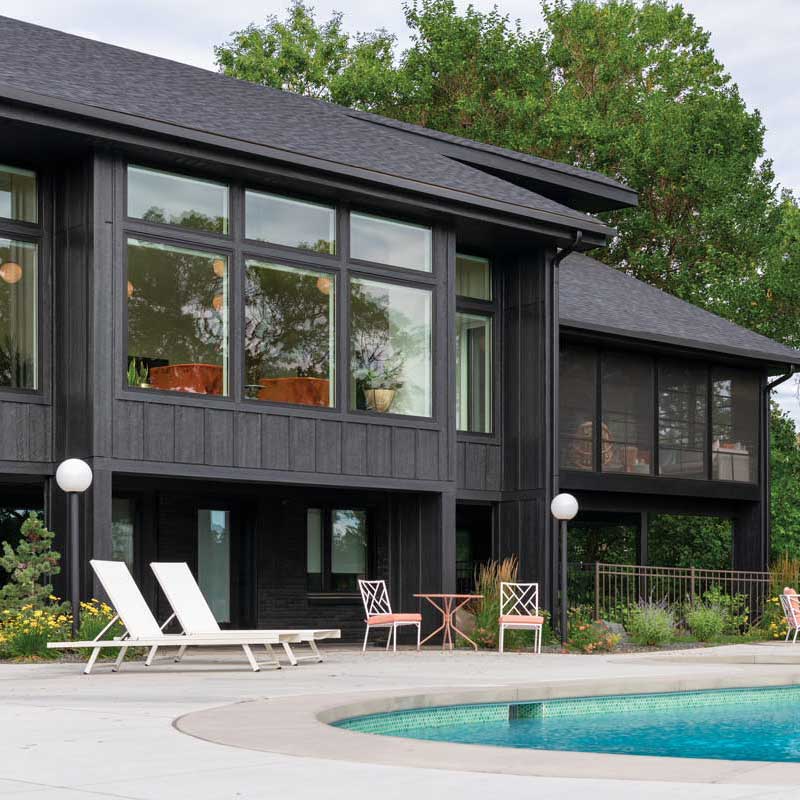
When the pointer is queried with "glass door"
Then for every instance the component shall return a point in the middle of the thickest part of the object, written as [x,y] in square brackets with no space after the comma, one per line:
[214,560]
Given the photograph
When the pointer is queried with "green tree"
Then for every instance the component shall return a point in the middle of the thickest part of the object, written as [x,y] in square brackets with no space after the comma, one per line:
[785,479]
[31,565]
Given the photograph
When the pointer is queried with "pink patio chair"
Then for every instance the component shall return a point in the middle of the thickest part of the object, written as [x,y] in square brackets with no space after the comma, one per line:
[519,610]
[791,608]
[379,613]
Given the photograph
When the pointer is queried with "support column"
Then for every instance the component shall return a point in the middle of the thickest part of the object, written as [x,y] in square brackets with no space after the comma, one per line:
[643,553]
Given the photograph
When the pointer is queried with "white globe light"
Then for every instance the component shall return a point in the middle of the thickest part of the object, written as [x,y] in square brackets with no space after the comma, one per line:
[564,506]
[74,475]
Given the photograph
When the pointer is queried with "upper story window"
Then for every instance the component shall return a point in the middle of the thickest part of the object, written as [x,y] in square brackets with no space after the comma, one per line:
[627,412]
[390,348]
[473,277]
[177,318]
[18,324]
[166,198]
[19,200]
[292,223]
[386,241]
[289,334]
[578,408]
[734,425]
[682,420]
[474,345]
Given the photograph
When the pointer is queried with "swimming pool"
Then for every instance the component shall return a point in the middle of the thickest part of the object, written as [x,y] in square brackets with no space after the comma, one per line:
[761,724]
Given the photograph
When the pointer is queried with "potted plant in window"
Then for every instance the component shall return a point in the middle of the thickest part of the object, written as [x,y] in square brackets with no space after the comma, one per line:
[138,374]
[380,383]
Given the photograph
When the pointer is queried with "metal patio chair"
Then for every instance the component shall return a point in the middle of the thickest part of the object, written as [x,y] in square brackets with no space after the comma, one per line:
[790,601]
[519,610]
[379,613]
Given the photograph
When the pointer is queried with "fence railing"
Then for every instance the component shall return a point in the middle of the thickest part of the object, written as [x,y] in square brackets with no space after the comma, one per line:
[618,586]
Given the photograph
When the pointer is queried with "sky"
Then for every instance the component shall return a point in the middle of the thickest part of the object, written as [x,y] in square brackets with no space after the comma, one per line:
[756,41]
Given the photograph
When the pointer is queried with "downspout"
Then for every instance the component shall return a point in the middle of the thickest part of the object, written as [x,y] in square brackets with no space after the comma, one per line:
[767,494]
[554,448]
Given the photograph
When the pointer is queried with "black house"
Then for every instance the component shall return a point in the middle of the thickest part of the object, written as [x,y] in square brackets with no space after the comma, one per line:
[299,344]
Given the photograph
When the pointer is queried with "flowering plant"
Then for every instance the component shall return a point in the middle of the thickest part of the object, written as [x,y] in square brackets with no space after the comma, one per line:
[24,633]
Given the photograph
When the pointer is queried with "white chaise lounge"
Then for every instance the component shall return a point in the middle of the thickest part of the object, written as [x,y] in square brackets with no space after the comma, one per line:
[142,629]
[196,618]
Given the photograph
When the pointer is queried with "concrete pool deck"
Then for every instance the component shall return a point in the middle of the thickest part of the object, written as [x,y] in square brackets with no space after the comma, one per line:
[66,735]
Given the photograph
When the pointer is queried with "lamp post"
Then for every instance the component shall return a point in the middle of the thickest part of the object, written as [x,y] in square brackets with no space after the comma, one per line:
[74,477]
[564,507]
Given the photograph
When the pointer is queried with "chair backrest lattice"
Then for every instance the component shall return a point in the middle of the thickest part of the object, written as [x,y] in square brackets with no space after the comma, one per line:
[126,598]
[184,595]
[791,608]
[519,599]
[375,597]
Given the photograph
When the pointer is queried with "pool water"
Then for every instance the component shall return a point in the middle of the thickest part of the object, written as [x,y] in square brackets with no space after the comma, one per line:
[736,724]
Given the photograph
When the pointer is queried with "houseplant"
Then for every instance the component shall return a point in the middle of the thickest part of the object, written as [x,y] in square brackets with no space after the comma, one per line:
[380,385]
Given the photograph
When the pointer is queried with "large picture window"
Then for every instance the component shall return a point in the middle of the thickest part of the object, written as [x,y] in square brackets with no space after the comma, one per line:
[682,415]
[336,555]
[390,348]
[19,200]
[474,373]
[293,223]
[627,413]
[577,395]
[386,241]
[734,425]
[156,196]
[289,334]
[18,314]
[177,319]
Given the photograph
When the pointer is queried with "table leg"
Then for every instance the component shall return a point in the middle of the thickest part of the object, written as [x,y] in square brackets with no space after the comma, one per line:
[441,627]
[459,632]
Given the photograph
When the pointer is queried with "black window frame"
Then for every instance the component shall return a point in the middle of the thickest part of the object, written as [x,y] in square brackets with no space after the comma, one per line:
[327,510]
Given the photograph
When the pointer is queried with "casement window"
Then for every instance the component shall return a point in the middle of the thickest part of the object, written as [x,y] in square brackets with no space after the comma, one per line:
[289,334]
[387,241]
[169,199]
[336,554]
[19,280]
[177,303]
[474,344]
[390,347]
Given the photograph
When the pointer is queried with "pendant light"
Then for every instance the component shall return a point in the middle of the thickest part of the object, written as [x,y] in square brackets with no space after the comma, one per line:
[11,272]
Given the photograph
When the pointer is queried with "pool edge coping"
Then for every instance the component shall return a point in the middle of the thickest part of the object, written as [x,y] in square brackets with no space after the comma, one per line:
[301,726]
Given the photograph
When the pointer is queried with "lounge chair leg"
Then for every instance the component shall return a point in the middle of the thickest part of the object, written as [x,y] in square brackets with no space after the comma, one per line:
[90,663]
[287,648]
[272,657]
[181,651]
[315,650]
[151,655]
[249,653]
[502,632]
[120,659]
[366,636]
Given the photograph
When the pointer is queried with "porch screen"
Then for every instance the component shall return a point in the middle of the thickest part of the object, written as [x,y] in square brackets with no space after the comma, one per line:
[627,413]
[577,401]
[682,420]
[734,424]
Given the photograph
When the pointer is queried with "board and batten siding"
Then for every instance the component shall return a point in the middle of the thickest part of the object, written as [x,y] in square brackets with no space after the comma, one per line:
[214,437]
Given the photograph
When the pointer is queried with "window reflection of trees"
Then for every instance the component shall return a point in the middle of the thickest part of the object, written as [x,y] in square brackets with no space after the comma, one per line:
[385,342]
[177,305]
[288,323]
[190,218]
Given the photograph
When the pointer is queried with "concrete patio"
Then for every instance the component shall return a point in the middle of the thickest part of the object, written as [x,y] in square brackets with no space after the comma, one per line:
[65,735]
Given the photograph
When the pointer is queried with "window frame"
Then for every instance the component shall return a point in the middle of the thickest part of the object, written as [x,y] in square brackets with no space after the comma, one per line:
[327,510]
[490,309]
[35,233]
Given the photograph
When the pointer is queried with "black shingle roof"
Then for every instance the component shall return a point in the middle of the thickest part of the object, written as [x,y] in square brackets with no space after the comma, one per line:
[101,77]
[595,297]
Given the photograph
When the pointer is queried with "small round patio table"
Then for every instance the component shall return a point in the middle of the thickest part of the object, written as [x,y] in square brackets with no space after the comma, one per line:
[447,605]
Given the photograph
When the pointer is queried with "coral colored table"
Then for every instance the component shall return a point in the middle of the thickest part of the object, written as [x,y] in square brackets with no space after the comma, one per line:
[447,605]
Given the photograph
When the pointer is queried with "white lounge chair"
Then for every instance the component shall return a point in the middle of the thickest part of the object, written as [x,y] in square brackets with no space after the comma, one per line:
[379,613]
[142,629]
[519,610]
[196,618]
[791,608]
